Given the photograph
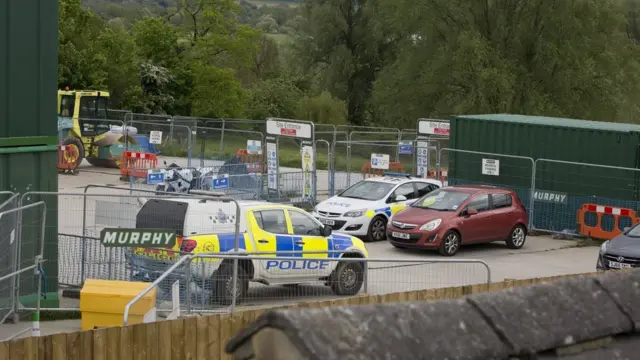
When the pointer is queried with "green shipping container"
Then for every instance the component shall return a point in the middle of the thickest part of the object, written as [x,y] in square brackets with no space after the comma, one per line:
[581,141]
[28,71]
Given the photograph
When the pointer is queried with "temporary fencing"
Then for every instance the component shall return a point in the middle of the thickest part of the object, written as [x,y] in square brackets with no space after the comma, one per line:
[75,253]
[22,282]
[479,168]
[585,199]
[217,282]
[168,141]
[219,146]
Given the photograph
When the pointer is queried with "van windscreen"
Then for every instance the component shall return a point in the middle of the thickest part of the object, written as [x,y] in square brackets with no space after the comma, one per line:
[162,214]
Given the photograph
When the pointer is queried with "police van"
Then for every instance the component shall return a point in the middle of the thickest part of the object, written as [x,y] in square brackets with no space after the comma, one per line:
[364,209]
[208,226]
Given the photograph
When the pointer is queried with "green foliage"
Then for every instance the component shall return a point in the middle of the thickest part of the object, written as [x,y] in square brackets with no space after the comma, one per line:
[363,62]
[323,109]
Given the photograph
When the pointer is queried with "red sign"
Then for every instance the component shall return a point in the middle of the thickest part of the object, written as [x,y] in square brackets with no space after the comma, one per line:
[441,131]
[288,132]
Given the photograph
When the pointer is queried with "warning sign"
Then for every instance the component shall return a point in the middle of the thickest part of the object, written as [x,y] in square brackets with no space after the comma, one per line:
[491,167]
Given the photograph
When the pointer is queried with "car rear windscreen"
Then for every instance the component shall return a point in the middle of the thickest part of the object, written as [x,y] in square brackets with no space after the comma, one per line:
[162,214]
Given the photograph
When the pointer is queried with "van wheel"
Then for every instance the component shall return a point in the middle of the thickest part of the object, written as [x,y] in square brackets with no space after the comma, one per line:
[347,278]
[377,229]
[223,284]
[517,237]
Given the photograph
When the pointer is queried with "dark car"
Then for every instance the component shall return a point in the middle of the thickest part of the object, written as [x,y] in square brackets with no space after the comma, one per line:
[458,215]
[621,252]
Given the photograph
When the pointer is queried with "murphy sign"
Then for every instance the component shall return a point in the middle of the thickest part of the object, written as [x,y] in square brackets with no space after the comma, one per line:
[550,197]
[156,238]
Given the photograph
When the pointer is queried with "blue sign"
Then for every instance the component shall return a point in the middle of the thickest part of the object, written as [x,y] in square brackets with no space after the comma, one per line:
[297,265]
[406,147]
[221,182]
[155,178]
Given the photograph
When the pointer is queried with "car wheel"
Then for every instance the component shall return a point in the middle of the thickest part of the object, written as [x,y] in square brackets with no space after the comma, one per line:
[450,243]
[223,284]
[517,237]
[347,278]
[377,229]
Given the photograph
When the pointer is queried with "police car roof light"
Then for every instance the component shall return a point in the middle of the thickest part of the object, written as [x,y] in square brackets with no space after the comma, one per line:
[396,174]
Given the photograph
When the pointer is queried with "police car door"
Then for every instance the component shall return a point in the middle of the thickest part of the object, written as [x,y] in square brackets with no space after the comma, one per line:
[408,191]
[307,237]
[272,235]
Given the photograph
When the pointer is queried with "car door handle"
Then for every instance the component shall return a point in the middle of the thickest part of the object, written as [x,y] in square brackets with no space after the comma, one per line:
[263,241]
[300,242]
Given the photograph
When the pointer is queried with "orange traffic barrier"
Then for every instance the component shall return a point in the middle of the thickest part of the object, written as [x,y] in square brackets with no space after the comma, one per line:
[600,211]
[67,159]
[367,171]
[253,161]
[136,164]
[442,175]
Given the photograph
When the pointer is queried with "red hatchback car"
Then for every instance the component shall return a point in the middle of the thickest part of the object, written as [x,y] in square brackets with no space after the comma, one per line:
[452,216]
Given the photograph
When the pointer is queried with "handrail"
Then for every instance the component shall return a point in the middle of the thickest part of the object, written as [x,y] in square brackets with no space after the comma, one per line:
[153,285]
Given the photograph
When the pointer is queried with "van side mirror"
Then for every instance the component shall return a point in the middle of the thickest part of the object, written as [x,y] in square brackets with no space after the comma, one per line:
[401,198]
[326,230]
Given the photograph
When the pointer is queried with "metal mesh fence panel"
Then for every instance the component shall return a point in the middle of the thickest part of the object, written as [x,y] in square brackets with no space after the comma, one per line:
[563,188]
[476,168]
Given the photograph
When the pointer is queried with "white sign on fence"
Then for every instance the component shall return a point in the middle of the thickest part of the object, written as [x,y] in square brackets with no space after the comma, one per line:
[380,161]
[155,137]
[254,147]
[175,300]
[433,127]
[288,128]
[422,159]
[491,167]
[272,166]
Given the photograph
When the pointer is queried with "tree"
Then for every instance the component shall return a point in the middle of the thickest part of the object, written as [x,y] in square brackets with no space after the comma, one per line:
[276,97]
[342,43]
[322,109]
[558,58]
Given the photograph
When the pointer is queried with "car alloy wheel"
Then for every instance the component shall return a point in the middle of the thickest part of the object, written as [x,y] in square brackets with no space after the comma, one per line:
[518,236]
[450,244]
[378,229]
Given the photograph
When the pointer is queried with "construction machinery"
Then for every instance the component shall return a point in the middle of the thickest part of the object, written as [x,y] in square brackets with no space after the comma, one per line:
[84,126]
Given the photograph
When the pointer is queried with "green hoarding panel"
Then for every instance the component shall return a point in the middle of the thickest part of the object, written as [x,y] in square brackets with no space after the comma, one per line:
[23,170]
[579,141]
[28,68]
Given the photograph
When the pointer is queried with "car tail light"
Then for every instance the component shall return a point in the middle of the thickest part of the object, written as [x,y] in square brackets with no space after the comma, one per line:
[188,245]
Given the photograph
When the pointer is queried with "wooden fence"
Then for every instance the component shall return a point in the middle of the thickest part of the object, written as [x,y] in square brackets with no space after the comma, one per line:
[202,337]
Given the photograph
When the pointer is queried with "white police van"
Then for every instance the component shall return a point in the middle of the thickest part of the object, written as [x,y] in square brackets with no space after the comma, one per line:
[364,209]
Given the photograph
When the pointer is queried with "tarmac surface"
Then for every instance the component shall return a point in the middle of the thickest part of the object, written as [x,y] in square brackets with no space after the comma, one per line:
[540,257]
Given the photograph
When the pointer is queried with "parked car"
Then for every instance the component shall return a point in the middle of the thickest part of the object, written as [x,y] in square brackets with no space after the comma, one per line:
[621,252]
[459,215]
[364,208]
[208,226]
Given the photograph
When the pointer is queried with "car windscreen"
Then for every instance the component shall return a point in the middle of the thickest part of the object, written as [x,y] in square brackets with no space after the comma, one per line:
[162,214]
[634,231]
[442,200]
[367,190]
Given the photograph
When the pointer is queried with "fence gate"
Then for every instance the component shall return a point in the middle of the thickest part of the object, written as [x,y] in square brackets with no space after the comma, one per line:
[293,129]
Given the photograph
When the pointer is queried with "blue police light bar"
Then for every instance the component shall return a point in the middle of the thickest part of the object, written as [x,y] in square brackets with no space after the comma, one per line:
[396,174]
